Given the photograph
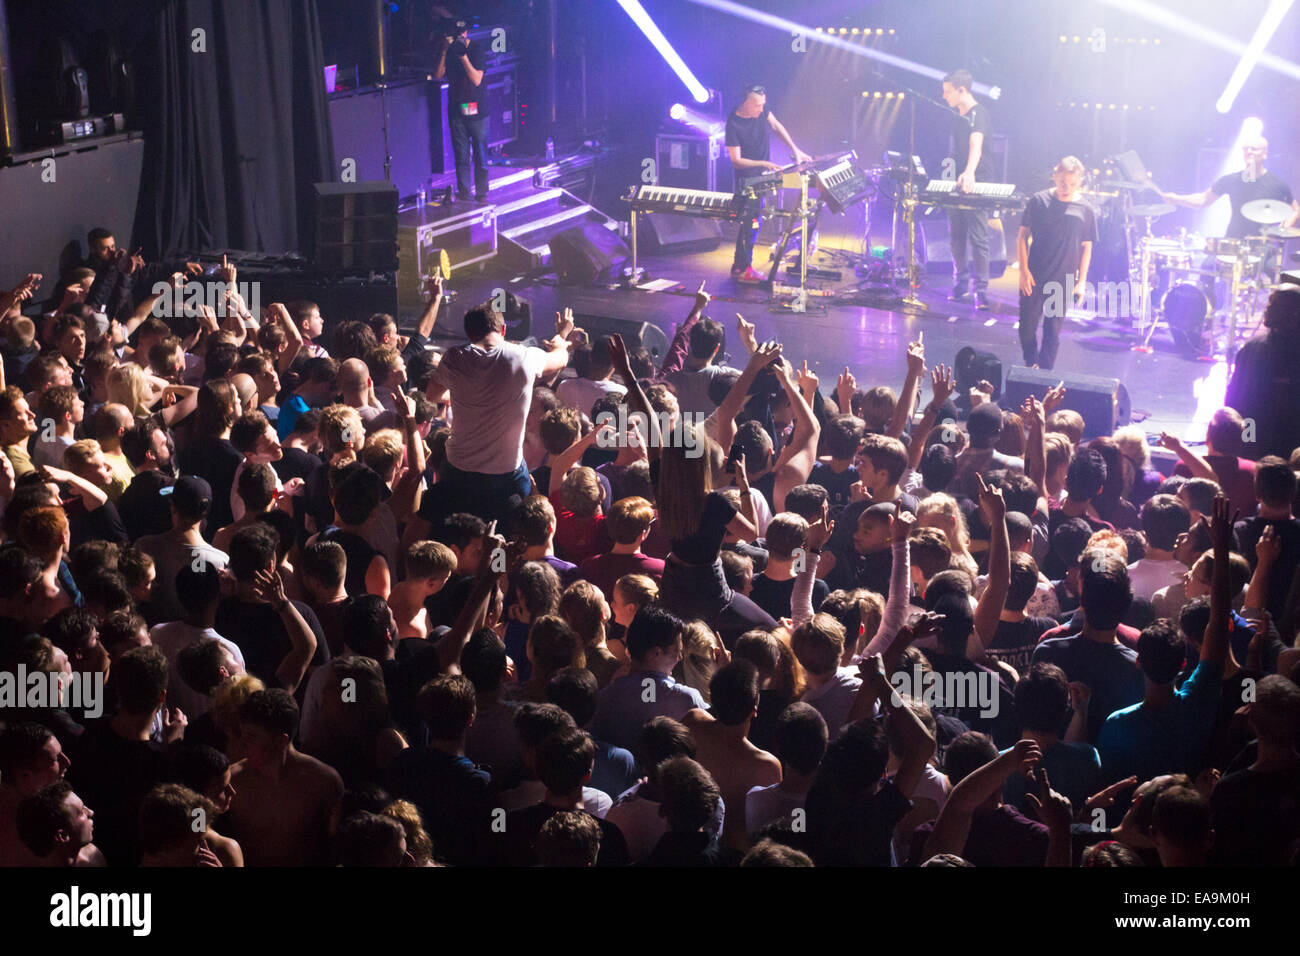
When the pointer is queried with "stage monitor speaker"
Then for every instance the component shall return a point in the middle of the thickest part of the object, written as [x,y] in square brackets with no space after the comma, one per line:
[589,253]
[938,245]
[1103,402]
[635,334]
[664,233]
[354,227]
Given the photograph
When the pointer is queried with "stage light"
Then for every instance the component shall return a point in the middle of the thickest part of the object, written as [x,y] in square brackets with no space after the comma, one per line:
[1251,127]
[995,92]
[901,95]
[678,112]
[1214,220]
[789,27]
[1268,25]
[647,26]
[1154,13]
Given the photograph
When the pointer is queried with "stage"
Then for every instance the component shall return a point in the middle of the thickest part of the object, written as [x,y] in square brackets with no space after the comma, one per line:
[1168,390]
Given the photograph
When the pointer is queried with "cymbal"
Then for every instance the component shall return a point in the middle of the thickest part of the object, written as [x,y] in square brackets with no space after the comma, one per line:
[1152,210]
[1266,212]
[1283,232]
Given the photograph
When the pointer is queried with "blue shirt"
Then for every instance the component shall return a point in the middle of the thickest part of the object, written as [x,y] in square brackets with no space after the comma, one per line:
[625,705]
[1148,742]
[288,416]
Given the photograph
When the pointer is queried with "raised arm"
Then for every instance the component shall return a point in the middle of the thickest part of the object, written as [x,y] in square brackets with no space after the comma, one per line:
[637,402]
[453,642]
[721,424]
[911,388]
[566,459]
[917,741]
[280,315]
[407,490]
[1035,443]
[798,457]
[91,496]
[557,348]
[989,609]
[680,347]
[293,667]
[941,381]
[819,532]
[1198,466]
[953,826]
[899,600]
[1214,646]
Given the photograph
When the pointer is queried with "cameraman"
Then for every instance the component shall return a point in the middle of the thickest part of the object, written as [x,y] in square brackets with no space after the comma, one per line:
[461,60]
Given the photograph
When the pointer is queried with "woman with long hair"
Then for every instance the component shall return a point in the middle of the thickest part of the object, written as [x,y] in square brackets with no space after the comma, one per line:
[585,610]
[941,511]
[353,730]
[1112,504]
[142,393]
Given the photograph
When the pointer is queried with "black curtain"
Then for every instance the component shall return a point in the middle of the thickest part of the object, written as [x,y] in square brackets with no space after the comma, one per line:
[236,133]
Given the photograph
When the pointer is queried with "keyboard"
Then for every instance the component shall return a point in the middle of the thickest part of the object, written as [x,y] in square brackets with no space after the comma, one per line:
[684,202]
[842,184]
[944,192]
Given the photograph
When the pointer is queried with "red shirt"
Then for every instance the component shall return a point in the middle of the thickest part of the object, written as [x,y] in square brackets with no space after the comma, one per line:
[1236,478]
[605,569]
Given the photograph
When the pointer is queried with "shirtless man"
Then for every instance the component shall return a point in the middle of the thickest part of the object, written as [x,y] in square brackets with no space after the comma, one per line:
[428,565]
[284,800]
[56,828]
[723,747]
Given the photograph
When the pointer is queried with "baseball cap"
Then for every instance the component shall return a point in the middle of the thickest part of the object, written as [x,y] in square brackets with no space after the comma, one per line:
[191,494]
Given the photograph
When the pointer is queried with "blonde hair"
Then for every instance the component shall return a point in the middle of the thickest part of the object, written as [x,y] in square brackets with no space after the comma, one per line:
[226,701]
[340,426]
[945,515]
[1106,540]
[76,457]
[581,608]
[583,493]
[699,646]
[638,589]
[1132,442]
[129,385]
[418,843]
[384,451]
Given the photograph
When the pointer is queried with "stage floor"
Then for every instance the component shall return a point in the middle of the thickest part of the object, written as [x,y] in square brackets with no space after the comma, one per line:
[1168,391]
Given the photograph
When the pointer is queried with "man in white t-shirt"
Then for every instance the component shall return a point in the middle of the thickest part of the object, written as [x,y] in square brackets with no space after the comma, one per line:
[199,592]
[491,385]
[1164,518]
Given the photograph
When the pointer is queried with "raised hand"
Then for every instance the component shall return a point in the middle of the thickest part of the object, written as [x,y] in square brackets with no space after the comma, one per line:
[819,532]
[807,380]
[1269,547]
[434,286]
[1052,400]
[1080,693]
[564,324]
[1221,522]
[269,586]
[746,332]
[1026,754]
[942,384]
[916,357]
[765,354]
[1031,411]
[618,356]
[1105,799]
[991,501]
[702,298]
[900,523]
[227,273]
[1052,808]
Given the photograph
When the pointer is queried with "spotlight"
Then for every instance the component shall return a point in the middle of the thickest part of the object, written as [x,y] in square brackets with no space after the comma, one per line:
[1252,126]
[678,112]
[652,32]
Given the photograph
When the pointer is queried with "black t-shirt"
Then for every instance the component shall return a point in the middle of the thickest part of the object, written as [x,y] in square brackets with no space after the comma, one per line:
[774,596]
[455,798]
[464,98]
[1287,531]
[359,557]
[976,120]
[837,486]
[1057,230]
[1240,191]
[690,850]
[262,637]
[1256,817]
[295,463]
[112,776]
[751,135]
[870,571]
[214,460]
[1265,379]
[144,509]
[703,546]
[853,829]
[1014,641]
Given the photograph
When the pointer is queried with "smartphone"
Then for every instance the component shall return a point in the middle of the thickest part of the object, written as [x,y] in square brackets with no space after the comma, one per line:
[733,458]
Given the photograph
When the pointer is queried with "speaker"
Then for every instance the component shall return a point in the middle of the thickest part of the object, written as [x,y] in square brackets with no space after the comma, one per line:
[1103,402]
[664,233]
[938,245]
[354,227]
[635,334]
[589,253]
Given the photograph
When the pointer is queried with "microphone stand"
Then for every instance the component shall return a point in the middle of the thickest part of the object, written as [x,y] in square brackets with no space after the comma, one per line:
[912,301]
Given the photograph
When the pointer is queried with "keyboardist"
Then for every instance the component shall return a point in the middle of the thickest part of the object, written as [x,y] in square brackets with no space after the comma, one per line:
[749,144]
[969,163]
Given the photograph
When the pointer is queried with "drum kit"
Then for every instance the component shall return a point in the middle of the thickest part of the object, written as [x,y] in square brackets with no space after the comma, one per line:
[1208,292]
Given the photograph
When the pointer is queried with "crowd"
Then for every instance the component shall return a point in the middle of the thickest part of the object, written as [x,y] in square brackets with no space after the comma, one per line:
[347,599]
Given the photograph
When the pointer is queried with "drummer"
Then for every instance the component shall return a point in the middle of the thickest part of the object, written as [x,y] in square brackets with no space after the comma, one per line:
[1249,184]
